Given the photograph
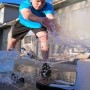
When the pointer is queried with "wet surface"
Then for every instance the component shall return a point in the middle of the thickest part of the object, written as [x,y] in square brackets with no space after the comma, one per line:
[27,80]
[26,72]
[7,87]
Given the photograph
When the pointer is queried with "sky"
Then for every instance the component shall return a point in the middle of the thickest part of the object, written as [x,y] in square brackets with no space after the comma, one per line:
[16,1]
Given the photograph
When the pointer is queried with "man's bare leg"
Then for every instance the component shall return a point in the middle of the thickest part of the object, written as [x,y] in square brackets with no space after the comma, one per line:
[11,44]
[43,37]
[45,51]
[45,71]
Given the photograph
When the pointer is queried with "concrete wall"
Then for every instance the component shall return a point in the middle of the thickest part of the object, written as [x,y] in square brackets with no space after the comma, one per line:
[74,20]
[5,38]
[1,15]
[1,36]
[83,75]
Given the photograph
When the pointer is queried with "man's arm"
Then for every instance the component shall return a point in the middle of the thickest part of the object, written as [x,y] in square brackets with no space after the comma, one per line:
[28,15]
[54,22]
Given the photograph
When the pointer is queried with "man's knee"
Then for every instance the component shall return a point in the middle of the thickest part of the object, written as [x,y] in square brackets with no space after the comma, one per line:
[43,36]
[44,46]
[13,41]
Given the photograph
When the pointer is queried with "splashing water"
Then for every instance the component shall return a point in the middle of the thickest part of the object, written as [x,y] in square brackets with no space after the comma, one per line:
[66,39]
[7,62]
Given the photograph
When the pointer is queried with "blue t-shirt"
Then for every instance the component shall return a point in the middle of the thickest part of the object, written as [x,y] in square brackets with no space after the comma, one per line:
[46,9]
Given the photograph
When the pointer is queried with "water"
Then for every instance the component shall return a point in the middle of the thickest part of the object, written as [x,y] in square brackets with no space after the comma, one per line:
[67,39]
[7,60]
[9,73]
[29,69]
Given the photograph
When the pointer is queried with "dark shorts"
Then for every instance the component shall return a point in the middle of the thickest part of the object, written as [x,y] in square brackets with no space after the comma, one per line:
[19,30]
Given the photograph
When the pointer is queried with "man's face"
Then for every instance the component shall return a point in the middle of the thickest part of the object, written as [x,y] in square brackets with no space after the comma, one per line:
[38,4]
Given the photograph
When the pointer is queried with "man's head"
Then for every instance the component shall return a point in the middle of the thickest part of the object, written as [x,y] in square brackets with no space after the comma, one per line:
[38,4]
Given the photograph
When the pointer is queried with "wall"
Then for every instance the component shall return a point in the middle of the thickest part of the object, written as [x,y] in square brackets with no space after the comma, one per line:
[1,35]
[1,15]
[83,74]
[8,13]
[74,22]
[11,13]
[5,38]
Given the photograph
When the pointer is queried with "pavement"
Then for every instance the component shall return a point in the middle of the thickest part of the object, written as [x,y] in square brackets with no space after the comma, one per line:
[7,87]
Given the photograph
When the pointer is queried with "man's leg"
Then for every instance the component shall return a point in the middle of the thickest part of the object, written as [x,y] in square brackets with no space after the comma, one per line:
[11,44]
[18,32]
[43,38]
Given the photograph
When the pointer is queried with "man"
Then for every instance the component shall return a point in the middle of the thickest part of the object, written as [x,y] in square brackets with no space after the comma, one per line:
[34,15]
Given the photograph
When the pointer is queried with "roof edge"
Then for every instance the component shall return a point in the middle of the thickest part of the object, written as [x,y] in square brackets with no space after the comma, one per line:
[8,4]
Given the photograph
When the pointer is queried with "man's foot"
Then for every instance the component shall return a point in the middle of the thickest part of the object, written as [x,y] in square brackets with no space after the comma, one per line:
[17,79]
[45,71]
[11,49]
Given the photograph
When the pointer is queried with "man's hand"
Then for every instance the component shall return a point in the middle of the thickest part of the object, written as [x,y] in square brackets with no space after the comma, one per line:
[45,22]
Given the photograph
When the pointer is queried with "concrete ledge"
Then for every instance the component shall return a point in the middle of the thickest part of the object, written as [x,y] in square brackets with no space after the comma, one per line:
[7,87]
[65,3]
